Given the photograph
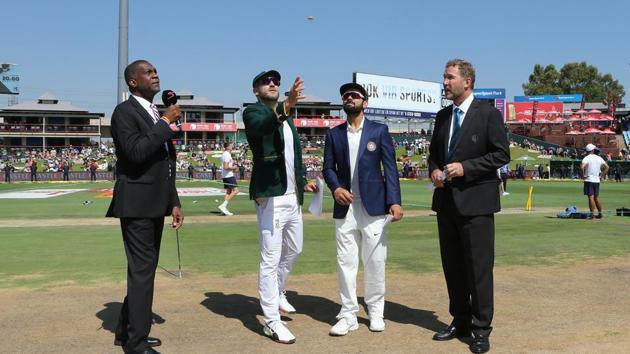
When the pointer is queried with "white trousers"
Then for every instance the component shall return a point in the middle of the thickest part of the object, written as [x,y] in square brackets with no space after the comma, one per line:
[361,232]
[281,238]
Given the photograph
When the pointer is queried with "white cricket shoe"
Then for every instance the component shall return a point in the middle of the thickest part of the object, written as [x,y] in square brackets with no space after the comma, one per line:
[285,306]
[277,331]
[377,324]
[506,193]
[343,326]
[224,210]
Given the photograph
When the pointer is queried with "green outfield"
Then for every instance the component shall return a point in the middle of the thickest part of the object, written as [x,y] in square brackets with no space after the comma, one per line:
[48,255]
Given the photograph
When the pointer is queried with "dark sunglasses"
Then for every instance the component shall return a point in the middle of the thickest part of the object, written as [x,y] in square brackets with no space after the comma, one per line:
[269,79]
[353,95]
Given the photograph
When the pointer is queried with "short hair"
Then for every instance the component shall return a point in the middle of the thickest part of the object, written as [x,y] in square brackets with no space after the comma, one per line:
[131,69]
[226,144]
[466,69]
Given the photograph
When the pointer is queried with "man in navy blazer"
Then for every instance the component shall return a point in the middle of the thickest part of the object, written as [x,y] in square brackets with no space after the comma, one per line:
[364,194]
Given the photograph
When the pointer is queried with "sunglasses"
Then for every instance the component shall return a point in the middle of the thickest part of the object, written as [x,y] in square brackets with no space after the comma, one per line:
[268,80]
[352,94]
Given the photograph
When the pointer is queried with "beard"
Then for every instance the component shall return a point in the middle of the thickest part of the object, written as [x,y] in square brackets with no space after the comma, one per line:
[454,93]
[270,96]
[352,109]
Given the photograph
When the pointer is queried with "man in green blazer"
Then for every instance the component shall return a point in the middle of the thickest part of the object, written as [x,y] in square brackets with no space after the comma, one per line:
[277,185]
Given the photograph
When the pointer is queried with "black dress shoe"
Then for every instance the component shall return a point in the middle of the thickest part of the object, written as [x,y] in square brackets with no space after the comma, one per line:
[451,332]
[153,342]
[146,351]
[480,344]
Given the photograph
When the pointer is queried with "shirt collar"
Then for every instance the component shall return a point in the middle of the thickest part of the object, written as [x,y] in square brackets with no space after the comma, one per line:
[360,128]
[466,104]
[143,102]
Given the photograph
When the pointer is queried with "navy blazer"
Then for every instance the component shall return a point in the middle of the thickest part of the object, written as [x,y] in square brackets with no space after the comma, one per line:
[378,190]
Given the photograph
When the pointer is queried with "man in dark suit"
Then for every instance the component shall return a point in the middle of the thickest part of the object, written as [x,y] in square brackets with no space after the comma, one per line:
[34,170]
[364,194]
[66,170]
[277,184]
[144,194]
[469,144]
[7,172]
[213,168]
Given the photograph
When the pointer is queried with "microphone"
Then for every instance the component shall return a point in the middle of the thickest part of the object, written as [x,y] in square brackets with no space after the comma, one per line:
[169,98]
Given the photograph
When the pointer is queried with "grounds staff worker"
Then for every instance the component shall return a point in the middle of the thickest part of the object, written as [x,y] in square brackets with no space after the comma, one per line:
[143,194]
[468,145]
[277,184]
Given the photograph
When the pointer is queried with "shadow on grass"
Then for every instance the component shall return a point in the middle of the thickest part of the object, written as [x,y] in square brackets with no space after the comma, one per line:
[246,308]
[406,315]
[241,307]
[109,316]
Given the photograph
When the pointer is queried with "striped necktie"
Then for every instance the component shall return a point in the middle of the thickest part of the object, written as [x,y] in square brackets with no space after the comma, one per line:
[156,118]
[156,114]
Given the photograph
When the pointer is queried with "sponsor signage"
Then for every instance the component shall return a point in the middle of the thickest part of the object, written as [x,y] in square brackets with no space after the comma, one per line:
[206,127]
[523,110]
[397,97]
[202,192]
[9,79]
[499,103]
[568,98]
[489,93]
[317,123]
[38,193]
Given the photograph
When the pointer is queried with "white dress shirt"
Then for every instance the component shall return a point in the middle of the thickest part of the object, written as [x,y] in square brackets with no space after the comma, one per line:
[354,138]
[148,107]
[289,157]
[464,107]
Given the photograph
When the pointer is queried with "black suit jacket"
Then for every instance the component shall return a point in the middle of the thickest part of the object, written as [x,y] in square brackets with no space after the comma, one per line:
[145,183]
[481,148]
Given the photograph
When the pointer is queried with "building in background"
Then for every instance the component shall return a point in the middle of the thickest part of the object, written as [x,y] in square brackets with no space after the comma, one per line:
[48,123]
[314,116]
[203,121]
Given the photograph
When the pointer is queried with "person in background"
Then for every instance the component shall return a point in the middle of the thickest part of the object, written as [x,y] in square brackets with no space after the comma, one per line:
[229,179]
[593,168]
[504,173]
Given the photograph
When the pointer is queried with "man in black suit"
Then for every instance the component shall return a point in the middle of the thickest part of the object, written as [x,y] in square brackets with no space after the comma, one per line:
[66,170]
[469,144]
[144,194]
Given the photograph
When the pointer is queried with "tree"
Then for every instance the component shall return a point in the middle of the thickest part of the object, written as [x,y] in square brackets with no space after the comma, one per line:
[573,78]
[543,81]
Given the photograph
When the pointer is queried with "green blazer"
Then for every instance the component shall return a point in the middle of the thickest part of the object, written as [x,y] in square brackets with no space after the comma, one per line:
[263,128]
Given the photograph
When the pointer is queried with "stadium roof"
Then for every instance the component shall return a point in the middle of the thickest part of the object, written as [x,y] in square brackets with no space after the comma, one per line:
[46,103]
[188,99]
[311,101]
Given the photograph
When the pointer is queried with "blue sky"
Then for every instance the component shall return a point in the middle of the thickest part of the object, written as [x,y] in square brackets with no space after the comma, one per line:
[214,48]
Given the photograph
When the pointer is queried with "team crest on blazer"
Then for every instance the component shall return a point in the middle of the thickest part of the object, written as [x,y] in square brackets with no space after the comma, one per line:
[371,146]
[474,138]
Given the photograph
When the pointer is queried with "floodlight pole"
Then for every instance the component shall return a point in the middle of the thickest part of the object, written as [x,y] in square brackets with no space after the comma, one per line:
[123,47]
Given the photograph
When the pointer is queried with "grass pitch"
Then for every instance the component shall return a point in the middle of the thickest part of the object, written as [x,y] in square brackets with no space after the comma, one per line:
[46,255]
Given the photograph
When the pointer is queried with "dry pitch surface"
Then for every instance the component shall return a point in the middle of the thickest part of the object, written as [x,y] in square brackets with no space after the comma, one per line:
[579,308]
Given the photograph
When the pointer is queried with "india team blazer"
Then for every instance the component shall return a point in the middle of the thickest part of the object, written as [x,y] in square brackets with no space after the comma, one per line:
[376,163]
